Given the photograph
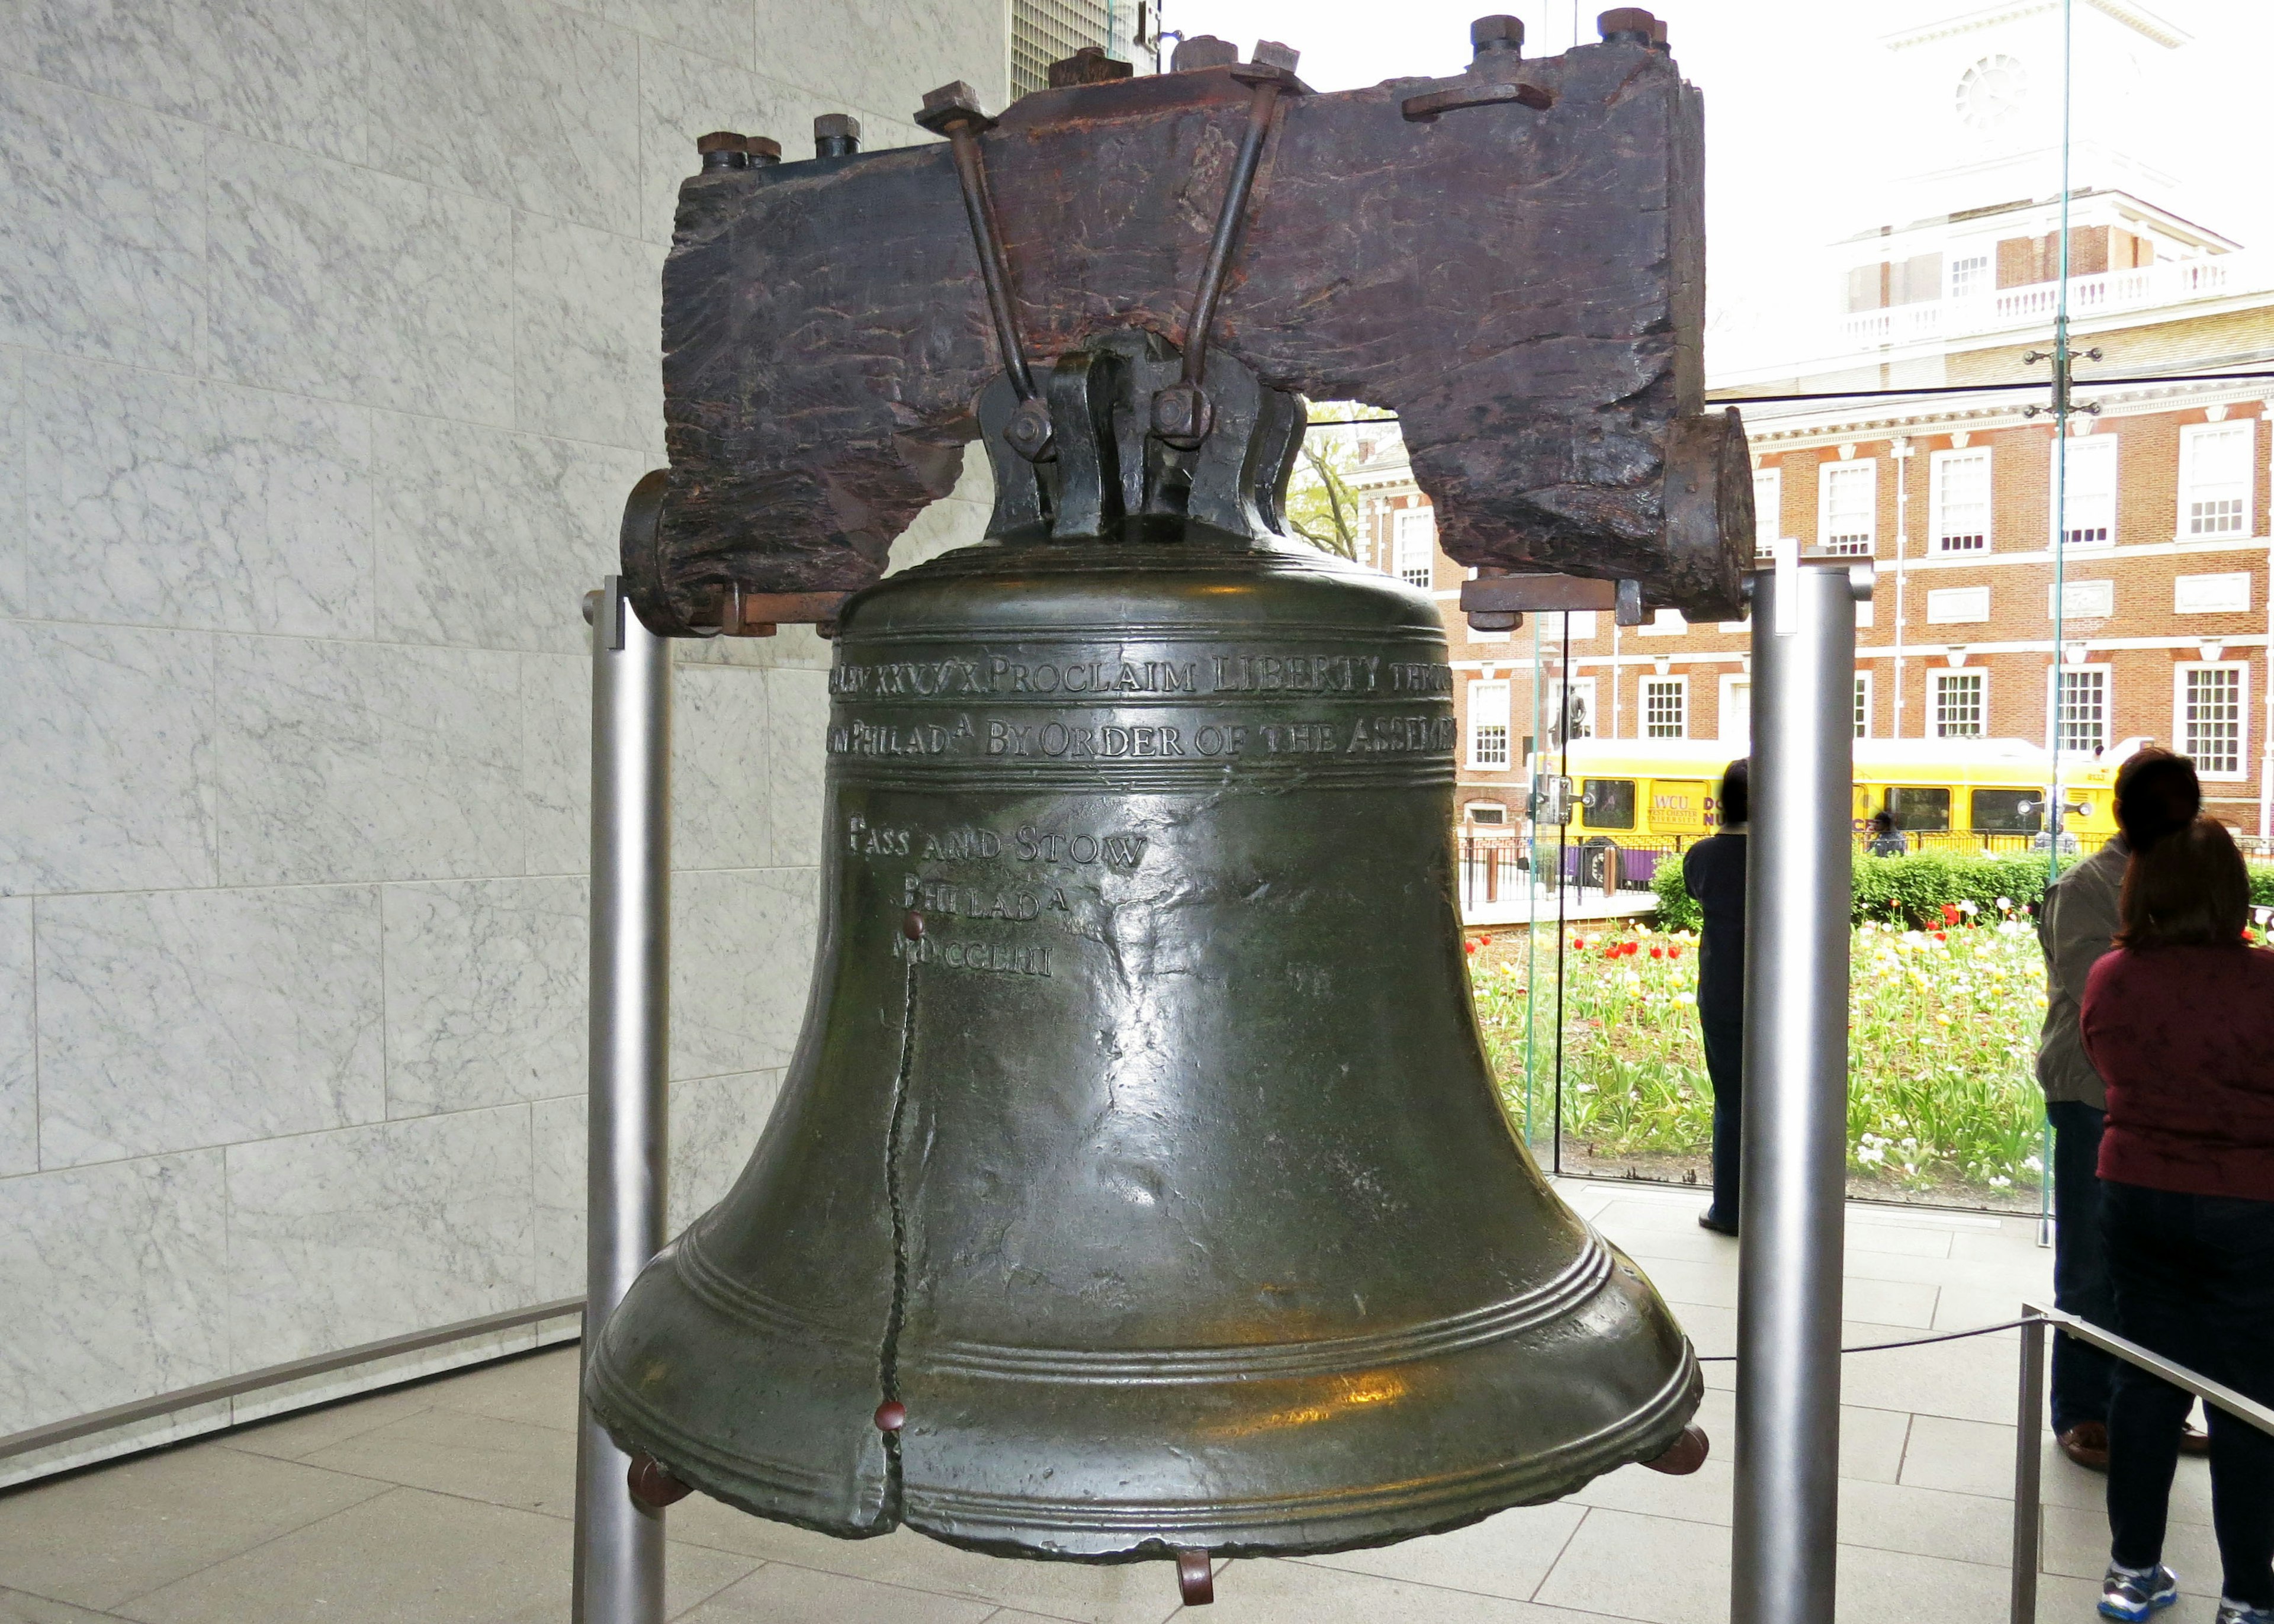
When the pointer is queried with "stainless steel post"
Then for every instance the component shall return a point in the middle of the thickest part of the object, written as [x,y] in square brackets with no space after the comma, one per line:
[1791,1216]
[2028,1442]
[619,1552]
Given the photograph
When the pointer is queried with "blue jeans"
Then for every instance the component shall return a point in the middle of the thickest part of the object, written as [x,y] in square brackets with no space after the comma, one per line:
[2081,1373]
[1725,1057]
[2194,1280]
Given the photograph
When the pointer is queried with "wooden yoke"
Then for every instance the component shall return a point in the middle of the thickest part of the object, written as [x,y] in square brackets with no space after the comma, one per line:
[1512,259]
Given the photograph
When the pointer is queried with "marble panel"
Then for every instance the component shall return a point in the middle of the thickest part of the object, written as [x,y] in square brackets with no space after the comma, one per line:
[587,336]
[15,528]
[725,29]
[489,539]
[724,758]
[103,256]
[742,959]
[484,993]
[556,756]
[798,704]
[557,1139]
[345,1238]
[114,1279]
[334,280]
[20,1080]
[107,747]
[170,1020]
[367,762]
[520,103]
[682,96]
[715,1124]
[883,55]
[163,501]
[285,70]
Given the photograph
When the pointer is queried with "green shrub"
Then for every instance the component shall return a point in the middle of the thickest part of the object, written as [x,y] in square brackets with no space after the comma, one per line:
[1677,910]
[1913,891]
[2261,885]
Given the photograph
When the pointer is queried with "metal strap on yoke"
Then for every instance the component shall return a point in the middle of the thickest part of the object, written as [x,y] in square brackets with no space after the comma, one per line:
[953,110]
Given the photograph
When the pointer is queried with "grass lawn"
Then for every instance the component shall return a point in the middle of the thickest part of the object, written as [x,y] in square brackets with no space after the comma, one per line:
[1943,1024]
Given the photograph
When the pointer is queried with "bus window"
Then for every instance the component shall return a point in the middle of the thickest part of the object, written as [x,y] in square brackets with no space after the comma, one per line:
[2009,811]
[1914,807]
[1610,803]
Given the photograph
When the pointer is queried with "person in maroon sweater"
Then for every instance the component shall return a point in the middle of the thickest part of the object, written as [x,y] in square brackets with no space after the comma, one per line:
[2178,1021]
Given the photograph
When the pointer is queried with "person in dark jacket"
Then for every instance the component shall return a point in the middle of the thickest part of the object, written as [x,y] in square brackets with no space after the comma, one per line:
[1887,840]
[2156,794]
[2179,1022]
[1713,873]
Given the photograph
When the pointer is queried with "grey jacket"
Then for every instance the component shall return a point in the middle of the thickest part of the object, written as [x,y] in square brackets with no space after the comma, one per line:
[2074,925]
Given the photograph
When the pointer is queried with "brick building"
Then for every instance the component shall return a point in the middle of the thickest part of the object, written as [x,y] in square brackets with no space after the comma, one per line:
[2164,614]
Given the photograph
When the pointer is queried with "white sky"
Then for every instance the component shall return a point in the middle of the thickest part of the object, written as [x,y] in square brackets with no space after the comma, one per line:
[1792,150]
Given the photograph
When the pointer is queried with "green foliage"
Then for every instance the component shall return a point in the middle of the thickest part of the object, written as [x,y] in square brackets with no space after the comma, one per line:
[1320,506]
[2261,885]
[1942,1029]
[1914,889]
[1677,909]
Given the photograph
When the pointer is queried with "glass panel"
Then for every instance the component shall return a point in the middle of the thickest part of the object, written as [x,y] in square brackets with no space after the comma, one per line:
[1610,803]
[2009,811]
[1915,808]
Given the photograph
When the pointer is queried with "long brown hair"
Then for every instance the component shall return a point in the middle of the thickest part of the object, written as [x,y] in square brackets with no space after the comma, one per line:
[2188,890]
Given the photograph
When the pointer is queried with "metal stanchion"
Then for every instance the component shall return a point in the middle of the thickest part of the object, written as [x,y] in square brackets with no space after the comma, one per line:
[619,1550]
[1791,1216]
[2029,1442]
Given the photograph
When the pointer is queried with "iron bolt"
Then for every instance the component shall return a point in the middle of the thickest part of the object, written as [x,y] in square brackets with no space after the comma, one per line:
[1029,430]
[1203,50]
[1182,416]
[1271,54]
[1658,38]
[1630,24]
[836,135]
[723,149]
[651,1484]
[912,926]
[764,151]
[891,1416]
[1500,33]
[955,99]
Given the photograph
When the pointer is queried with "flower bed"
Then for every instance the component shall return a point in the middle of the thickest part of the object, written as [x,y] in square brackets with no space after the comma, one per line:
[1942,1042]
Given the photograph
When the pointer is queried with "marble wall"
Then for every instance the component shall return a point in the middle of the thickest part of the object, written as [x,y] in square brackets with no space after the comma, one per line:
[327,353]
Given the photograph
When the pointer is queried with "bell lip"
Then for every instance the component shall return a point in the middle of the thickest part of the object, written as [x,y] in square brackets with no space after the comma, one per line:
[1643,1436]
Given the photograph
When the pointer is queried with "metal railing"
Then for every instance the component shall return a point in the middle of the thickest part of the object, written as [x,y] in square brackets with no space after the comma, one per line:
[1500,870]
[2029,1444]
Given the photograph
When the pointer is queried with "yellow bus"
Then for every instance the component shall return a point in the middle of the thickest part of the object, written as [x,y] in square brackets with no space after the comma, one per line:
[1942,793]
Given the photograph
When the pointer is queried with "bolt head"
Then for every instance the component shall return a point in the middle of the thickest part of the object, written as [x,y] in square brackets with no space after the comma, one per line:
[1500,33]
[765,149]
[1028,430]
[891,1416]
[831,129]
[1630,23]
[1182,416]
[1203,50]
[911,925]
[1271,54]
[721,140]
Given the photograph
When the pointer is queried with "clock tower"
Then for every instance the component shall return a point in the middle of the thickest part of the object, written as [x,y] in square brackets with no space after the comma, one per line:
[1979,96]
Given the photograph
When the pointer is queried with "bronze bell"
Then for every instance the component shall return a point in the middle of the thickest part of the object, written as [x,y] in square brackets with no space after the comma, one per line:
[1140,1184]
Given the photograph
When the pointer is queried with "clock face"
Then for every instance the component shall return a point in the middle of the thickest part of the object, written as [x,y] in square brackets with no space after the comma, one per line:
[1991,93]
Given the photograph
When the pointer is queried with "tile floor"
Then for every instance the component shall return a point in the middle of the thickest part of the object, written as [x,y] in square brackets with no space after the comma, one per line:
[448,1502]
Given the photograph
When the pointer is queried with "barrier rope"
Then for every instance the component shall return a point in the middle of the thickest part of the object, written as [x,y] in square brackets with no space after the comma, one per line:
[1909,1342]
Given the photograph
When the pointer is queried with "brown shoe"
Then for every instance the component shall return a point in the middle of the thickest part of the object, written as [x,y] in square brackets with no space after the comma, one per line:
[2087,1444]
[2193,1440]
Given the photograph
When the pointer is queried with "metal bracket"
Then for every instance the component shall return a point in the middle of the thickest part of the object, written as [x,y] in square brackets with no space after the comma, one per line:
[1496,601]
[1182,414]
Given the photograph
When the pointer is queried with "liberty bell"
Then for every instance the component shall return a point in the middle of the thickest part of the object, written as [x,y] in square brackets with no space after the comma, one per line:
[1139,1187]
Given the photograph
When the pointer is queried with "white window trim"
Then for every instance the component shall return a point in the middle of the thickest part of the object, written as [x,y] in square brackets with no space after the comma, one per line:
[1935,679]
[1824,472]
[1864,691]
[2115,489]
[2188,435]
[1767,526]
[2054,674]
[1729,708]
[1936,463]
[1681,687]
[1507,726]
[2242,715]
[1401,521]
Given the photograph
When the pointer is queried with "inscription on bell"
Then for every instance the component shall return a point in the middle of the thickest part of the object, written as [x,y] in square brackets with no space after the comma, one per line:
[1210,672]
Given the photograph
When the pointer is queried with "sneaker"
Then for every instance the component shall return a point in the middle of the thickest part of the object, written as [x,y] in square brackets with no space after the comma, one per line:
[2129,1593]
[2232,1611]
